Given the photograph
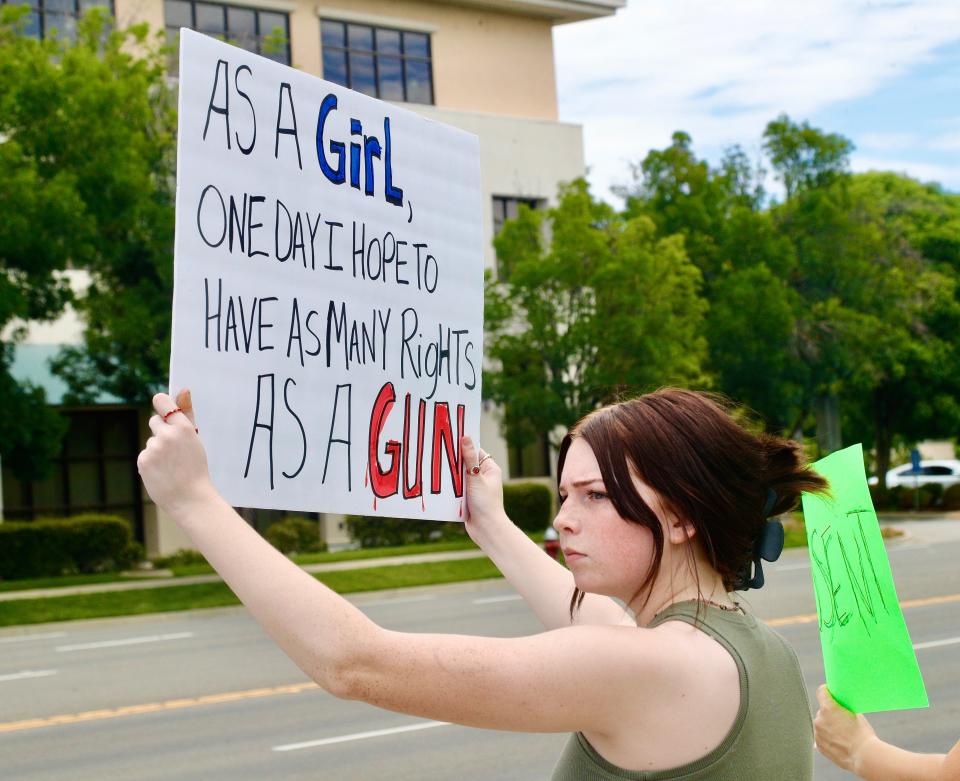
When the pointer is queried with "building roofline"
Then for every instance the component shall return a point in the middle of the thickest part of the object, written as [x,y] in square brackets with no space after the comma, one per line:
[557,11]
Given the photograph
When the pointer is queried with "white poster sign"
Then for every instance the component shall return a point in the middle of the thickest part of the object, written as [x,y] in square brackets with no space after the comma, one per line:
[328,296]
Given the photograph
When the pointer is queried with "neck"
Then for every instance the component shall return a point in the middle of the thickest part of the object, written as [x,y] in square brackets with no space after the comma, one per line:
[681,580]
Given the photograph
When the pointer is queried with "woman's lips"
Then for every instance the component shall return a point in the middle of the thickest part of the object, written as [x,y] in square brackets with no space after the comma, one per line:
[569,554]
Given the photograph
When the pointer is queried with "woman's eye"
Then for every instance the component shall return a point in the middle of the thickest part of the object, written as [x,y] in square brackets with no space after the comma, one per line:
[562,498]
[597,495]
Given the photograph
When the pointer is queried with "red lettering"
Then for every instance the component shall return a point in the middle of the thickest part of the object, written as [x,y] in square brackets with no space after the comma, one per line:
[409,491]
[442,433]
[383,483]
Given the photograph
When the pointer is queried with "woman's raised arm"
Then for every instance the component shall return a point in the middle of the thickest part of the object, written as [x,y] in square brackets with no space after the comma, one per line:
[544,583]
[485,682]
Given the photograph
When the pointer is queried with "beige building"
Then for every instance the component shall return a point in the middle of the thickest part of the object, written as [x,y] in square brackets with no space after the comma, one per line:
[486,66]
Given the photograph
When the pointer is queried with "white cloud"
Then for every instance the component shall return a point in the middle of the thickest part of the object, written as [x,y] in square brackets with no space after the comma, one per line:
[946,174]
[721,71]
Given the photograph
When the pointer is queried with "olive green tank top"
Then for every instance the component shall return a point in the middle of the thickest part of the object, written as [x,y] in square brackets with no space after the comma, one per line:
[772,736]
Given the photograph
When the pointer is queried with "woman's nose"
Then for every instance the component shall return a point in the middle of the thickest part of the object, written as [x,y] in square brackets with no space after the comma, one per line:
[565,521]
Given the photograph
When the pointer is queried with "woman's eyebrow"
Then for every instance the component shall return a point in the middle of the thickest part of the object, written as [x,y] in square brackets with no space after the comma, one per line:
[586,481]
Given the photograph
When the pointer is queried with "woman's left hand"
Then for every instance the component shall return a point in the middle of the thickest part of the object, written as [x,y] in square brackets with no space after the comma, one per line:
[840,734]
[173,464]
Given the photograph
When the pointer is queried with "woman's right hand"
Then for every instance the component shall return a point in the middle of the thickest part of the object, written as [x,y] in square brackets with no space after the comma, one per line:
[484,491]
[173,464]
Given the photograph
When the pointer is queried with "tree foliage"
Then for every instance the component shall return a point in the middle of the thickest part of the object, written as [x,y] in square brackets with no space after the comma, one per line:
[844,289]
[589,304]
[86,160]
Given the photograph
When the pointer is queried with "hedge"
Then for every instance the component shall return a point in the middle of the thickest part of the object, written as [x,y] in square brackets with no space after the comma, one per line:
[295,535]
[83,543]
[951,498]
[379,531]
[528,505]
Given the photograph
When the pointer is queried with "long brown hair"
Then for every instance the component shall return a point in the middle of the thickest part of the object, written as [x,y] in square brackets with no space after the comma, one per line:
[706,468]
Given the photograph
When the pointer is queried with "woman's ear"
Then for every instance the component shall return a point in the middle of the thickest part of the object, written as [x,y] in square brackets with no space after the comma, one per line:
[679,530]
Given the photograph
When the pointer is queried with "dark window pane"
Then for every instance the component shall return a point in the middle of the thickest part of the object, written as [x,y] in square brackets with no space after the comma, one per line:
[390,73]
[119,435]
[64,24]
[360,37]
[416,45]
[85,4]
[332,33]
[388,42]
[177,14]
[82,437]
[240,21]
[49,493]
[210,18]
[419,89]
[271,23]
[361,74]
[32,26]
[119,480]
[14,493]
[84,484]
[60,6]
[335,66]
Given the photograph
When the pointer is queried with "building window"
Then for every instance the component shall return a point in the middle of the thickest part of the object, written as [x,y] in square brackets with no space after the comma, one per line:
[261,32]
[45,16]
[95,472]
[508,207]
[378,61]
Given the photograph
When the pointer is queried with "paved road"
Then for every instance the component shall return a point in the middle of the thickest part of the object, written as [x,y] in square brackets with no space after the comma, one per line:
[206,695]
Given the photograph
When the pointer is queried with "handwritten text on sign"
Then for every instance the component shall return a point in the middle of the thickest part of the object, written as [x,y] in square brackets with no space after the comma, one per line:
[868,659]
[328,290]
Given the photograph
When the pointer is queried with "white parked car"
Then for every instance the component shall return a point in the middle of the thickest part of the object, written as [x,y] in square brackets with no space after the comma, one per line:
[945,472]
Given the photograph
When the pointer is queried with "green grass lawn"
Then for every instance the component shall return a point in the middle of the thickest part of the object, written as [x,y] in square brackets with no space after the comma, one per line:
[191,597]
[66,580]
[347,555]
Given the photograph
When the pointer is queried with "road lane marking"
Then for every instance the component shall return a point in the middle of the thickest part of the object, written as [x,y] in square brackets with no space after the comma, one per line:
[491,600]
[377,733]
[27,638]
[809,618]
[211,699]
[397,601]
[27,674]
[126,641]
[936,643]
[153,707]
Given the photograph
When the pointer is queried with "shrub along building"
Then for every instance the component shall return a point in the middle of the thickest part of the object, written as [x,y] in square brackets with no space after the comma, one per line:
[486,66]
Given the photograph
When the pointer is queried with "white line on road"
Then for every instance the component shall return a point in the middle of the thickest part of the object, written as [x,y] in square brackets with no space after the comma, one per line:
[27,674]
[26,638]
[937,643]
[491,600]
[361,735]
[126,641]
[397,601]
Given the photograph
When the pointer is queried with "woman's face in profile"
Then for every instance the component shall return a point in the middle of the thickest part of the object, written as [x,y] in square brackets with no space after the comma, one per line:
[606,554]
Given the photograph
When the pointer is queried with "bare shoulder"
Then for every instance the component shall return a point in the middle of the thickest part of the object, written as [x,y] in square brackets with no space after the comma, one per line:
[682,704]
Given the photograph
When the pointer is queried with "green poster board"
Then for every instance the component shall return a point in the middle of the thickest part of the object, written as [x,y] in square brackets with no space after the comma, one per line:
[868,657]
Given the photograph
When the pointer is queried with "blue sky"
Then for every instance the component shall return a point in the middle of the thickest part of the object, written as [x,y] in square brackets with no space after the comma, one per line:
[885,74]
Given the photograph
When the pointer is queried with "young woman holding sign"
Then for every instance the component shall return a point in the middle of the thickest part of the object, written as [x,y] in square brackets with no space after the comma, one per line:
[664,508]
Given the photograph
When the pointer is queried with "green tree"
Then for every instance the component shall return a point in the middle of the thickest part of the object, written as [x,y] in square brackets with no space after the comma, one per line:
[601,307]
[108,120]
[86,161]
[913,391]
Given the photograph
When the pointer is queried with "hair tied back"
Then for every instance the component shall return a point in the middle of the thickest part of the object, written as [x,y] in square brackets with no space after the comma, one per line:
[768,547]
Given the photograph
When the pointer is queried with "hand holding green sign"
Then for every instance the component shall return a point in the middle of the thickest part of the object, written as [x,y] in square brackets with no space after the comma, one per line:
[868,658]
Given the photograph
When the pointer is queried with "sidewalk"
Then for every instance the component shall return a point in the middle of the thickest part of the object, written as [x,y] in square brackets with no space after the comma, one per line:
[165,582]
